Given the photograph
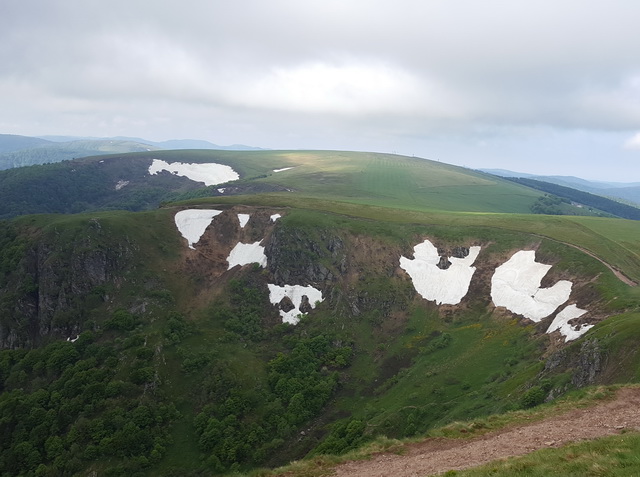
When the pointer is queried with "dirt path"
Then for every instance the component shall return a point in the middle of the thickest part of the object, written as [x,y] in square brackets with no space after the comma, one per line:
[621,276]
[434,456]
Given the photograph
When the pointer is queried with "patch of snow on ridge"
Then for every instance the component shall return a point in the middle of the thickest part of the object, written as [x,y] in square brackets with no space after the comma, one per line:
[516,286]
[283,169]
[275,217]
[245,253]
[561,323]
[295,294]
[121,184]
[433,283]
[193,222]
[243,218]
[209,173]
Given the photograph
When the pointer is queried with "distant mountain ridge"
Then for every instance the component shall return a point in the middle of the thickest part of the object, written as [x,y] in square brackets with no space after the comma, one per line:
[11,142]
[170,144]
[20,151]
[621,191]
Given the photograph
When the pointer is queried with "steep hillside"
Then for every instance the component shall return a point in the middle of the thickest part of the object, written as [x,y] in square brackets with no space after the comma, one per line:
[247,331]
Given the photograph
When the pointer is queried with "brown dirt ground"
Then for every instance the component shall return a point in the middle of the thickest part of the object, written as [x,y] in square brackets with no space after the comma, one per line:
[437,455]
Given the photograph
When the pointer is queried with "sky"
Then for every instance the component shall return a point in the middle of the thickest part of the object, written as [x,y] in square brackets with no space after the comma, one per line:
[545,87]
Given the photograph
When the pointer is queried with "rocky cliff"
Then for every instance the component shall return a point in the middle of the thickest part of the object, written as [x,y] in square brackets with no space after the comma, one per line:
[59,278]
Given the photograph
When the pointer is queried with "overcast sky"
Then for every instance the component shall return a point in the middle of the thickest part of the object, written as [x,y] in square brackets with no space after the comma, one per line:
[541,86]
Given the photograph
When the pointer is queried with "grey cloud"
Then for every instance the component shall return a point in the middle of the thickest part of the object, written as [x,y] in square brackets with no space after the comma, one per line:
[286,73]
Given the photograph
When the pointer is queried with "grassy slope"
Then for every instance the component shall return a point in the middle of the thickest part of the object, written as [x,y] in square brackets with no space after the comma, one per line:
[397,181]
[366,178]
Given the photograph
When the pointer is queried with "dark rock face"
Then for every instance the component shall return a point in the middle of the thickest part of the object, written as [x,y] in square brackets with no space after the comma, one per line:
[444,263]
[52,281]
[589,364]
[286,304]
[305,305]
[460,252]
[586,364]
[297,258]
[456,252]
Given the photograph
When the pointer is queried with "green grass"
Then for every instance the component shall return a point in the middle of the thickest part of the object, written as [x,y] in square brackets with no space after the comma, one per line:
[369,179]
[397,181]
[617,456]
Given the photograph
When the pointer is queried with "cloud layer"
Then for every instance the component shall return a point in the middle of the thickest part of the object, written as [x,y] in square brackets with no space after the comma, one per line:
[470,81]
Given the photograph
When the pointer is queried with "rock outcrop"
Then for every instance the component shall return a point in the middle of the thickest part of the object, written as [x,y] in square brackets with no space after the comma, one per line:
[55,276]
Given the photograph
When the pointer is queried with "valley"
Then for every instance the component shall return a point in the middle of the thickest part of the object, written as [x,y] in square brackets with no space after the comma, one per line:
[318,302]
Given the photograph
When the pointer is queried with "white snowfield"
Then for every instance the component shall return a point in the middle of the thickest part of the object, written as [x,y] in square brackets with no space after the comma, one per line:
[193,222]
[275,217]
[516,286]
[295,294]
[209,173]
[561,323]
[283,169]
[432,283]
[246,253]
[243,218]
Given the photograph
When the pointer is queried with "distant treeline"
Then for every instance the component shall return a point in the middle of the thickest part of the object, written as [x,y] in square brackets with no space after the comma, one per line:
[585,198]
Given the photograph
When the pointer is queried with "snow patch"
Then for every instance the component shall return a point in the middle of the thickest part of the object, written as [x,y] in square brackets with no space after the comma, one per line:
[275,217]
[433,283]
[561,323]
[121,184]
[295,294]
[243,218]
[516,286]
[245,253]
[73,340]
[283,169]
[221,190]
[193,222]
[209,173]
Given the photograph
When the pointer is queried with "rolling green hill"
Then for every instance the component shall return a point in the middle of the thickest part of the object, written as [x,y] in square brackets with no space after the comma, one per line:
[125,352]
[359,178]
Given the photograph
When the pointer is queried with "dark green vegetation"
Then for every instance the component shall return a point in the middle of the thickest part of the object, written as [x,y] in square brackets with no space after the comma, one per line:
[585,198]
[184,368]
[627,192]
